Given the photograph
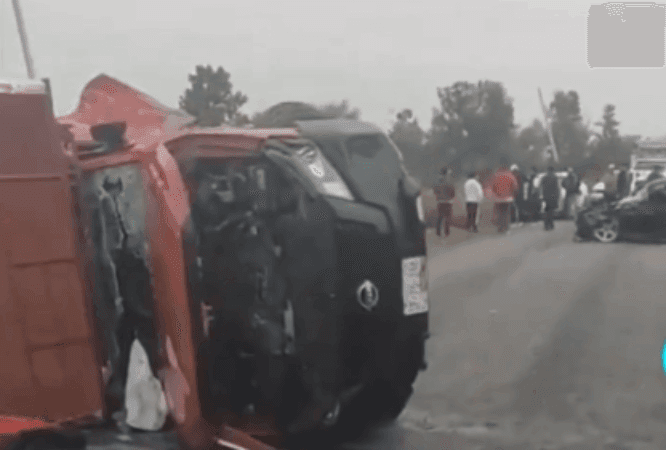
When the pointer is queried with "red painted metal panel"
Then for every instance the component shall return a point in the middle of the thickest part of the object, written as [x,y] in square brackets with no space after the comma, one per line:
[37,217]
[48,368]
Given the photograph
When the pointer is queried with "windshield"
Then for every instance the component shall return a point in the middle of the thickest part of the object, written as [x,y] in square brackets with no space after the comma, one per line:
[374,165]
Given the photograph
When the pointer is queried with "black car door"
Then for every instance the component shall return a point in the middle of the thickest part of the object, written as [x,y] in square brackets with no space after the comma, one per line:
[657,199]
[647,217]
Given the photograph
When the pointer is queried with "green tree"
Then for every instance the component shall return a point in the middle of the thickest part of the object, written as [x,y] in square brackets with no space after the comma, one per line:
[340,110]
[285,114]
[471,129]
[609,126]
[610,146]
[211,100]
[570,133]
[529,145]
[409,137]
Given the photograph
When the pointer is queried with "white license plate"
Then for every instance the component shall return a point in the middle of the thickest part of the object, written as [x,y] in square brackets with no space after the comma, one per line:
[414,285]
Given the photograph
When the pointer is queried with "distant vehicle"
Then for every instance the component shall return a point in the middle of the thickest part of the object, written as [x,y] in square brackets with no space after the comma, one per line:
[643,159]
[639,217]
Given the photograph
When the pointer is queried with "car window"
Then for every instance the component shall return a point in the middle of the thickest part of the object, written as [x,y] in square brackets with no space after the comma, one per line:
[374,166]
[367,146]
[333,150]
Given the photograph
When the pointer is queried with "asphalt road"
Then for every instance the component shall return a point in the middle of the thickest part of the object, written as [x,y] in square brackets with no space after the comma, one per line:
[537,343]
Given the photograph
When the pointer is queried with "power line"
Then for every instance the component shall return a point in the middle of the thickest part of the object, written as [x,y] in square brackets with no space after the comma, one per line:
[24,39]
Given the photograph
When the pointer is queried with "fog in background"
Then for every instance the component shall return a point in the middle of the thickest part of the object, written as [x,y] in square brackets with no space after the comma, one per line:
[380,55]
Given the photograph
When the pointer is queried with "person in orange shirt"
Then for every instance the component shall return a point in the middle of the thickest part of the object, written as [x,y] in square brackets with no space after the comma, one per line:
[501,188]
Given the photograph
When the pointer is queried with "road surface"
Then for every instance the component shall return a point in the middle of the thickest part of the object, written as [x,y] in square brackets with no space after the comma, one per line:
[538,343]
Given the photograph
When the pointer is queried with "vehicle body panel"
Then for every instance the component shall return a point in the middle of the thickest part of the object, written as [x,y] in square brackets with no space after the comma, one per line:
[166,212]
[385,195]
[48,345]
[105,99]
[365,248]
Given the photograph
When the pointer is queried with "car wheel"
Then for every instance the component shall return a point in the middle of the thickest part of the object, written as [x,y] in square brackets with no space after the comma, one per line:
[607,231]
[380,402]
[383,400]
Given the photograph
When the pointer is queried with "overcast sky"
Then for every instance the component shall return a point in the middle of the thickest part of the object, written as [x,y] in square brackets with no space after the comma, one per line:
[380,55]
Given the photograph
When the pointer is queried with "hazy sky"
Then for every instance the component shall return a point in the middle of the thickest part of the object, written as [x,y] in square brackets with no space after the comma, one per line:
[380,55]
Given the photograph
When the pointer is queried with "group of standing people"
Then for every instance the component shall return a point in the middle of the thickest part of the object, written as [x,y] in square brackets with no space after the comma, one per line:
[616,185]
[516,196]
[501,188]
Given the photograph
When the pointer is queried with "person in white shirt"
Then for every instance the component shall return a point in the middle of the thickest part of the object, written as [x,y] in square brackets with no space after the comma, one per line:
[473,196]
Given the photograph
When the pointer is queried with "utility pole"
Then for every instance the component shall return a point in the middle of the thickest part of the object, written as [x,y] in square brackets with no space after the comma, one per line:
[549,127]
[24,39]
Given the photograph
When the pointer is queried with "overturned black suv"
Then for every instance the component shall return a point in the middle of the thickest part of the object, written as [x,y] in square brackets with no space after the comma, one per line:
[639,217]
[308,266]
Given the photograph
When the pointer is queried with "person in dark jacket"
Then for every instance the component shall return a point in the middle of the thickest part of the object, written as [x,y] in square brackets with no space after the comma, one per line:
[622,183]
[445,192]
[550,193]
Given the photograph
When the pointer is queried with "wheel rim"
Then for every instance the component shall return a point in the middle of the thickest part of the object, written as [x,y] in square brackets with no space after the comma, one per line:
[607,232]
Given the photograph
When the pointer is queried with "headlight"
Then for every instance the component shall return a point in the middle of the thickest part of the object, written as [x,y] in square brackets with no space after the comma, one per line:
[420,209]
[322,174]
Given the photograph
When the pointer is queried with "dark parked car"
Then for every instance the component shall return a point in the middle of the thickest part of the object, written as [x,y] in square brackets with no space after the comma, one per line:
[641,216]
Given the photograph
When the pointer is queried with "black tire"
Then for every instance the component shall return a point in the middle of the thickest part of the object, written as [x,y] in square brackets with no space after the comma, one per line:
[387,397]
[607,232]
[379,403]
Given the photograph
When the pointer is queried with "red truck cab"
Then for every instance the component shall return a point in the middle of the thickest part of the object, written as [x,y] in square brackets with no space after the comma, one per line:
[55,324]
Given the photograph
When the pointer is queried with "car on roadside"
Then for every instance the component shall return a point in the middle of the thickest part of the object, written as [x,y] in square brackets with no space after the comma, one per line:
[639,217]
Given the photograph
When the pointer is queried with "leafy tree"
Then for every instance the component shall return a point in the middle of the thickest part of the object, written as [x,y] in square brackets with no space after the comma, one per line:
[340,110]
[610,144]
[529,145]
[609,130]
[409,137]
[570,133]
[285,114]
[472,127]
[210,99]
[566,106]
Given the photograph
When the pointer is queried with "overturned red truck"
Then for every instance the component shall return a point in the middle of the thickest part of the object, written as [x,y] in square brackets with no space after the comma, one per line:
[276,278]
